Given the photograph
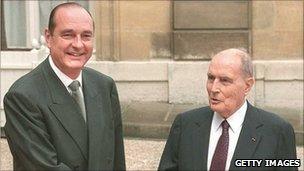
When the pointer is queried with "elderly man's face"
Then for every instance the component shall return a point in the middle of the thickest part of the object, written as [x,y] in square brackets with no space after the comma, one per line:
[71,43]
[226,85]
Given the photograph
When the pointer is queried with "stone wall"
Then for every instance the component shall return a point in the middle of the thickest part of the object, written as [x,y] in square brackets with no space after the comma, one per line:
[194,30]
[133,30]
[277,30]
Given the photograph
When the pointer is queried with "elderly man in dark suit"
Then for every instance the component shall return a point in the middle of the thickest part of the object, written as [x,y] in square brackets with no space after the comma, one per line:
[230,128]
[61,115]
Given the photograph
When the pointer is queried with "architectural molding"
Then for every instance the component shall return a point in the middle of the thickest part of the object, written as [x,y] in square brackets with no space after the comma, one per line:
[107,30]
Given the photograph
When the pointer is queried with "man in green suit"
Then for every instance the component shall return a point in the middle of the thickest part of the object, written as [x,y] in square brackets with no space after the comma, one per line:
[230,128]
[62,115]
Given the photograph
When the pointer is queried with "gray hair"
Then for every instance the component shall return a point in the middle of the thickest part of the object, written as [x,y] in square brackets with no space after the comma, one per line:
[247,66]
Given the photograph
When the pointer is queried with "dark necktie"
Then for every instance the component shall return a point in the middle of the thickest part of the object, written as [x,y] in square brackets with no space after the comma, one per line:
[75,92]
[218,162]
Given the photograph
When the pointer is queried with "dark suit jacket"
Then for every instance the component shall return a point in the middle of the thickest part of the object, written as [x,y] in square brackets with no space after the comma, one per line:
[46,131]
[263,136]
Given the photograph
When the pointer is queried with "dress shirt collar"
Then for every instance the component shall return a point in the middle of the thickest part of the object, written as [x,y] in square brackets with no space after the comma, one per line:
[64,78]
[235,120]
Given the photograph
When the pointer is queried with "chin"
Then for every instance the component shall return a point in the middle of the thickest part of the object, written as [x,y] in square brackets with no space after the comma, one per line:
[214,106]
[76,64]
[216,109]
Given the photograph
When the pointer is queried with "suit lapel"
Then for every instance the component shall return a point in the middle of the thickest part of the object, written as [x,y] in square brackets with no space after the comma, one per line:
[65,108]
[249,137]
[201,140]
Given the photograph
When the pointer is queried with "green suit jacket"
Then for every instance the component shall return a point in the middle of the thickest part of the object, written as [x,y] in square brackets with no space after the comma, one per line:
[263,136]
[45,130]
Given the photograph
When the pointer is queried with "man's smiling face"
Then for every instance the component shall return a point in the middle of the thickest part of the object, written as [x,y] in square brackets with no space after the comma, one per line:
[71,43]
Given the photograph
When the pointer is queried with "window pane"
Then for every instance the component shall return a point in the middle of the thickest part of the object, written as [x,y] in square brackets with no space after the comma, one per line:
[15,23]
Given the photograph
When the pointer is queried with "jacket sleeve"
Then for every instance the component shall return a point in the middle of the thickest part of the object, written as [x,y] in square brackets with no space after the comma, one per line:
[286,146]
[170,156]
[27,135]
[119,154]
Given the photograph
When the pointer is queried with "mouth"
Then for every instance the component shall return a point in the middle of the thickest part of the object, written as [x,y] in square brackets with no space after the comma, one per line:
[214,101]
[75,54]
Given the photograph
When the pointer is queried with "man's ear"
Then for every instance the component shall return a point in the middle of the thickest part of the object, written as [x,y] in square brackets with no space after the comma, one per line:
[47,36]
[249,84]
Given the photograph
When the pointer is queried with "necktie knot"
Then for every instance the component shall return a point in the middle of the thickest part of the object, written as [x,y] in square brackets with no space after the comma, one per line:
[76,94]
[74,86]
[225,125]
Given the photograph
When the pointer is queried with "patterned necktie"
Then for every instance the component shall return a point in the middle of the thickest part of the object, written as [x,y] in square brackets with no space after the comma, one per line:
[218,162]
[75,92]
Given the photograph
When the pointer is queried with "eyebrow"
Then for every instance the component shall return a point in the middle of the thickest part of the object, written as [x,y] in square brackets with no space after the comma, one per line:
[221,76]
[67,30]
[71,30]
[88,32]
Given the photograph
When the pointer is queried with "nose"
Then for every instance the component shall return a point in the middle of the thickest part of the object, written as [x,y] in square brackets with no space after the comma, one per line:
[215,87]
[77,42]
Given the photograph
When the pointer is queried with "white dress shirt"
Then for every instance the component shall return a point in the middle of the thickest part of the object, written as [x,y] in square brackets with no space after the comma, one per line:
[236,123]
[64,78]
